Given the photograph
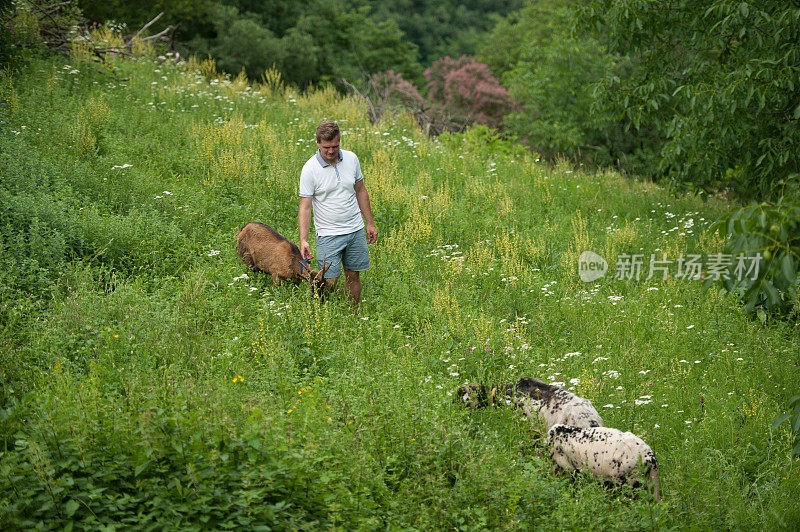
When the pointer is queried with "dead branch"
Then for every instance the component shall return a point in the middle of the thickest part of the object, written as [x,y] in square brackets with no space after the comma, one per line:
[433,120]
[372,113]
[53,8]
[148,24]
[160,34]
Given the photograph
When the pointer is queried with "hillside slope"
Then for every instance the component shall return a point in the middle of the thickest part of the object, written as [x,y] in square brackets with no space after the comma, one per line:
[147,381]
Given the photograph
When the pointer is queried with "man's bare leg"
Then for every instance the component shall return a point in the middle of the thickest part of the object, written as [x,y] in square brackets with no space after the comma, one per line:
[352,285]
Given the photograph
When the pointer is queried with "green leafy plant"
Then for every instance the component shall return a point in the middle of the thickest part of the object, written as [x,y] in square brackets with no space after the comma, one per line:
[485,138]
[794,422]
[770,233]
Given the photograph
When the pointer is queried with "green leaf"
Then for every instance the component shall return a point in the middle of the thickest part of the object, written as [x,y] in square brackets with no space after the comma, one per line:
[773,297]
[788,268]
[744,9]
[752,299]
[797,113]
[796,450]
[71,507]
[140,468]
[796,424]
[780,420]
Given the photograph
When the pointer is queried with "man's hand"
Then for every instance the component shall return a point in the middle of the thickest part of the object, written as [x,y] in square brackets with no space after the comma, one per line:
[362,198]
[372,233]
[305,251]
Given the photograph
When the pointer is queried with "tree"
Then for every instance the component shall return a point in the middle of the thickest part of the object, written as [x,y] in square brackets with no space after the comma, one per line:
[553,83]
[467,90]
[6,10]
[443,27]
[550,69]
[354,45]
[538,23]
[721,79]
[327,43]
[241,43]
[136,14]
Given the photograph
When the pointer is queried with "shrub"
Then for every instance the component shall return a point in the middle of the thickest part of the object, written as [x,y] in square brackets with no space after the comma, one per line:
[772,232]
[465,90]
[184,476]
[45,223]
[481,137]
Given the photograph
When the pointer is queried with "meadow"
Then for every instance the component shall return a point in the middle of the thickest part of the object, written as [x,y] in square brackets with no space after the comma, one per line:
[149,381]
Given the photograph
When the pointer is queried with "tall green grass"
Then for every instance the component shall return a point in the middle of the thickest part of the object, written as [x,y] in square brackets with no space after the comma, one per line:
[146,382]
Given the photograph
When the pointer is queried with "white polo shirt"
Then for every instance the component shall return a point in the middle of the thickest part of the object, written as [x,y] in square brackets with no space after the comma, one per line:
[331,189]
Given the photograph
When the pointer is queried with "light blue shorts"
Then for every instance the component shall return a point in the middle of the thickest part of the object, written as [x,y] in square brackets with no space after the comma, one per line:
[348,250]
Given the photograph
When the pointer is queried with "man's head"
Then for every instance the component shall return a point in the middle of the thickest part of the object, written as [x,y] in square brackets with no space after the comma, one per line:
[328,136]
[328,130]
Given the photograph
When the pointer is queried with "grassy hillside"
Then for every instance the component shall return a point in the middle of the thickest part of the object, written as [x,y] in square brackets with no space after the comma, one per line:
[147,381]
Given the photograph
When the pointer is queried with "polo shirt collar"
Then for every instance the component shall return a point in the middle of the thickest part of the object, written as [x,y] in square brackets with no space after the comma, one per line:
[322,161]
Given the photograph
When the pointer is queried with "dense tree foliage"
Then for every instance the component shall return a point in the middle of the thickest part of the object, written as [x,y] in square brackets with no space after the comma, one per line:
[136,14]
[308,42]
[5,41]
[551,68]
[537,24]
[353,45]
[444,27]
[553,82]
[317,41]
[721,79]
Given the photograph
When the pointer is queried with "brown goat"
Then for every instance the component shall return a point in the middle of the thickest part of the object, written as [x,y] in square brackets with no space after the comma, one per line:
[265,250]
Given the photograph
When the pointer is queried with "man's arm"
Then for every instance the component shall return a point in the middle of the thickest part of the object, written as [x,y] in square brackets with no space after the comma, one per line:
[362,197]
[304,224]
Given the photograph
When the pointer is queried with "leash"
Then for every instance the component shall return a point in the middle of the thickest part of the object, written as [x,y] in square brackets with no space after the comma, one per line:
[301,265]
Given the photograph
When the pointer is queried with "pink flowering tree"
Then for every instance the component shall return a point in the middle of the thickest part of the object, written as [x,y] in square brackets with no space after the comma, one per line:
[465,91]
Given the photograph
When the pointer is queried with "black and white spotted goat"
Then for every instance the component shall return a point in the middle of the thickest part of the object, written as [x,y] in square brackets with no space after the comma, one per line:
[542,402]
[577,438]
[607,453]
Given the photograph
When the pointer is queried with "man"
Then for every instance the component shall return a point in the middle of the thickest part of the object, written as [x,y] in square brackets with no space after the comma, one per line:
[332,186]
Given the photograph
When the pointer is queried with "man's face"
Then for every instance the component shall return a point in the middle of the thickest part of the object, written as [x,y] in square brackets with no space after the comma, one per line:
[329,150]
